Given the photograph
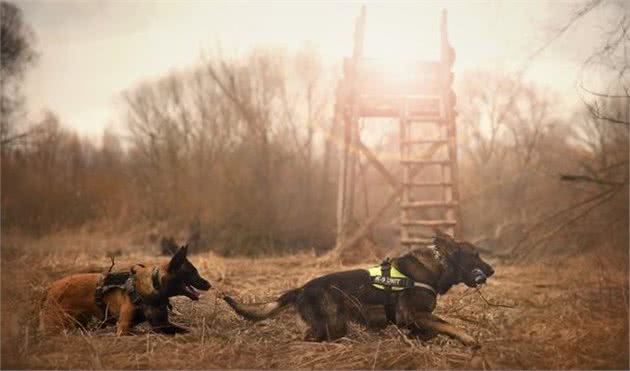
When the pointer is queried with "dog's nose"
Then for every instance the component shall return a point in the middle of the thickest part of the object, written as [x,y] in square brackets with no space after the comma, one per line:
[490,271]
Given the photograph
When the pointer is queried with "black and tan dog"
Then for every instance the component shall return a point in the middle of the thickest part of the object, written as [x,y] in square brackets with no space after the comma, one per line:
[140,294]
[406,288]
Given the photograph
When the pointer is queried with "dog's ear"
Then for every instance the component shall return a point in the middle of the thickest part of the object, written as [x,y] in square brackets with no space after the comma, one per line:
[442,237]
[445,241]
[439,234]
[178,259]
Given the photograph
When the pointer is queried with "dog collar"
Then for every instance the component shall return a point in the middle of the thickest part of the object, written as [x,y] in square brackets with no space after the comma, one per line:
[155,278]
[437,255]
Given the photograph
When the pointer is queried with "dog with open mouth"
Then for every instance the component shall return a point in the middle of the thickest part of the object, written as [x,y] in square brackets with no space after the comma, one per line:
[129,298]
[405,289]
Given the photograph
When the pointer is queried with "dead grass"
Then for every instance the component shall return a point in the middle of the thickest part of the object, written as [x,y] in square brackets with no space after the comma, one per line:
[567,314]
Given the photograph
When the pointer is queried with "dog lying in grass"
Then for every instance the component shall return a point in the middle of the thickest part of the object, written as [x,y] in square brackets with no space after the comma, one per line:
[141,294]
[406,288]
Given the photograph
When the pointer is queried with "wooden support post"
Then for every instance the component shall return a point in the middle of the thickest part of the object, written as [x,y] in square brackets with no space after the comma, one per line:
[391,179]
[404,155]
[345,191]
[352,169]
[447,58]
[341,185]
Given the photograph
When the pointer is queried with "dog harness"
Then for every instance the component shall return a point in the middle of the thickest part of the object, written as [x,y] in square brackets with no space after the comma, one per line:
[124,281]
[387,277]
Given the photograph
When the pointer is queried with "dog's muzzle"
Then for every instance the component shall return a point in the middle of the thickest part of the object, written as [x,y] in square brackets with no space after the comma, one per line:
[478,276]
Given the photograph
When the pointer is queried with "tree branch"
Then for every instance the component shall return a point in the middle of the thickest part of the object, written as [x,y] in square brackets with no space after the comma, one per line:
[586,178]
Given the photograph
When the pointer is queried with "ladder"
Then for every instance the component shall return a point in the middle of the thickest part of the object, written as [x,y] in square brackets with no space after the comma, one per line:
[423,102]
[428,158]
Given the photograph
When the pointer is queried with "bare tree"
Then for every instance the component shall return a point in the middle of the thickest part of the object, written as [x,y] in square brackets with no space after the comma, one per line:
[607,144]
[605,133]
[528,120]
[500,115]
[234,139]
[483,105]
[610,57]
[254,87]
[17,55]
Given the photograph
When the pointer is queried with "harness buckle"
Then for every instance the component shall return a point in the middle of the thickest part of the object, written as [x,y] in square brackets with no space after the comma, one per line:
[386,266]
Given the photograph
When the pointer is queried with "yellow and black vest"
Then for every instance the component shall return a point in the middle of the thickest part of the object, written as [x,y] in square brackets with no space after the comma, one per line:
[387,277]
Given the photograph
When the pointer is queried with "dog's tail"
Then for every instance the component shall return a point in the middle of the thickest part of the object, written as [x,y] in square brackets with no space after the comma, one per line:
[256,312]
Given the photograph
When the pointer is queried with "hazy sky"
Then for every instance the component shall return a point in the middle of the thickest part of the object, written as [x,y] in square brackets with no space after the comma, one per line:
[91,51]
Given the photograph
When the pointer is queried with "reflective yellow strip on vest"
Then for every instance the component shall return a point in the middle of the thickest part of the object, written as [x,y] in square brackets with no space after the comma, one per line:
[394,273]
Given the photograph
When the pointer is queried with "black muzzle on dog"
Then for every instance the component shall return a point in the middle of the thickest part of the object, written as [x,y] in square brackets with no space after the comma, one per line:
[479,277]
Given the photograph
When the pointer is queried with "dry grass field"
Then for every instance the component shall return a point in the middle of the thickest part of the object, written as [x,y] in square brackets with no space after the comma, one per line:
[555,314]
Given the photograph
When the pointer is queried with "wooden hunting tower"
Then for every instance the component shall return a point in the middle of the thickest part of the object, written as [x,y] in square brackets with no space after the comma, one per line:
[423,103]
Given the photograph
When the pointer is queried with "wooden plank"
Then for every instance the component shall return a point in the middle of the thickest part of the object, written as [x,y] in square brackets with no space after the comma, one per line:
[422,108]
[428,223]
[367,66]
[416,241]
[426,162]
[391,179]
[424,141]
[389,111]
[375,85]
[427,120]
[429,184]
[427,204]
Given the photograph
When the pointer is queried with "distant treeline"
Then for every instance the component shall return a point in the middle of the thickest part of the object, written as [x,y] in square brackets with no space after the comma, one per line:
[244,151]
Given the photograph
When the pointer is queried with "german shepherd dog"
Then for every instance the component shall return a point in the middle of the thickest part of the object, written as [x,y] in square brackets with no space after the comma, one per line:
[327,303]
[141,294]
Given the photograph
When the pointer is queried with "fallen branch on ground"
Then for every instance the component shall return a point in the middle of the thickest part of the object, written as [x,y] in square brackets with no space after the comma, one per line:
[493,304]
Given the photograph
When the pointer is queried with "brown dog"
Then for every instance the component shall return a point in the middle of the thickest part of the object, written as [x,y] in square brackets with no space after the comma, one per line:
[405,288]
[130,297]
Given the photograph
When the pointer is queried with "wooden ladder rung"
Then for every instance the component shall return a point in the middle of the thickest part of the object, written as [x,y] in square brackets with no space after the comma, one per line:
[428,223]
[425,141]
[435,96]
[425,120]
[426,162]
[427,204]
[428,184]
[412,241]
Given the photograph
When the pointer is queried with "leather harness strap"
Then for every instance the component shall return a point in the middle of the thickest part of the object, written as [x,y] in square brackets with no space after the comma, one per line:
[155,278]
[390,304]
[392,281]
[130,287]
[109,281]
[124,281]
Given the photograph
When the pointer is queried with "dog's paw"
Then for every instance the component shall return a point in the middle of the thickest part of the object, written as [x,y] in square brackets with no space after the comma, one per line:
[170,329]
[469,341]
[422,335]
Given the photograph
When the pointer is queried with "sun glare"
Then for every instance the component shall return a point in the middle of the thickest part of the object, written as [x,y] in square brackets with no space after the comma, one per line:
[397,41]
